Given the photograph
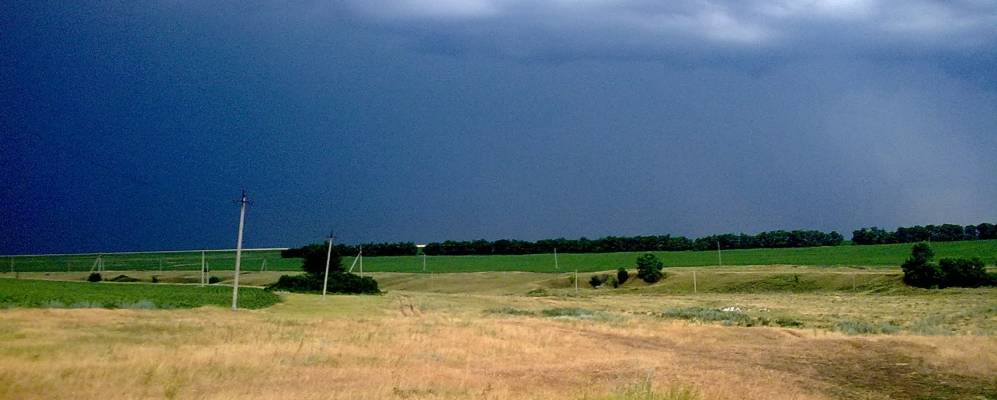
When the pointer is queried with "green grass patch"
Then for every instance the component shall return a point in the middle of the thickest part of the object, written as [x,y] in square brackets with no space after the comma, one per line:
[567,312]
[731,316]
[56,294]
[509,311]
[844,255]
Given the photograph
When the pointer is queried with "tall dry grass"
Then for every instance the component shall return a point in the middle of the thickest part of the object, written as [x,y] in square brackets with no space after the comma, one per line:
[411,346]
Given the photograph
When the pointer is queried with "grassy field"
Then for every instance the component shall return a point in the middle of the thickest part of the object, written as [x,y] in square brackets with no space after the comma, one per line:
[845,255]
[56,294]
[476,336]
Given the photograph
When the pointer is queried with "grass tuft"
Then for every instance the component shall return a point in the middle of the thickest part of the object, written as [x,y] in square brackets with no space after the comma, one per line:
[853,327]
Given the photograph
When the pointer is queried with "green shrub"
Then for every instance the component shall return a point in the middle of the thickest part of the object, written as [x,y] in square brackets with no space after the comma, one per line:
[599,280]
[155,279]
[649,268]
[94,277]
[509,311]
[963,272]
[918,270]
[851,327]
[214,279]
[727,317]
[567,312]
[613,282]
[339,282]
[622,275]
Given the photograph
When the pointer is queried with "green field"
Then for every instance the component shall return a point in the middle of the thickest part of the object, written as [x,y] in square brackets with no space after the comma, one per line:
[152,261]
[844,255]
[56,294]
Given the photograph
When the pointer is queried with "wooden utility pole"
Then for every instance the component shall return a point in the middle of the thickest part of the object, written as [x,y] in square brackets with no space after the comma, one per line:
[328,258]
[238,250]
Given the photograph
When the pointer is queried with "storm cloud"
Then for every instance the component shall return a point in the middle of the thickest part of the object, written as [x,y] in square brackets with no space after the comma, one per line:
[131,126]
[655,28]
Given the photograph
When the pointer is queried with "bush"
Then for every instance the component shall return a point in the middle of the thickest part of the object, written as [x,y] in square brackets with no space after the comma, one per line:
[214,279]
[919,271]
[599,280]
[963,272]
[622,275]
[338,283]
[94,277]
[649,268]
[851,327]
[567,312]
[155,279]
[613,282]
[314,267]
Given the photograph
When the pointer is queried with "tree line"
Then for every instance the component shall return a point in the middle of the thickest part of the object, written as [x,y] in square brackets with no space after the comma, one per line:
[928,233]
[608,244]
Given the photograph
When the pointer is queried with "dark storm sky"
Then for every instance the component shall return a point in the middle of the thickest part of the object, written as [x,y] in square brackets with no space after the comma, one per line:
[132,125]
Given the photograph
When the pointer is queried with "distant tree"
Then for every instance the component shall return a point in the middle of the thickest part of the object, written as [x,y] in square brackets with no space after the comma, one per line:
[314,260]
[918,270]
[622,275]
[986,231]
[649,268]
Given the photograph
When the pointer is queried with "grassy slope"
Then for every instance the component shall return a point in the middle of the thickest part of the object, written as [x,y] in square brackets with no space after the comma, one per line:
[39,293]
[879,255]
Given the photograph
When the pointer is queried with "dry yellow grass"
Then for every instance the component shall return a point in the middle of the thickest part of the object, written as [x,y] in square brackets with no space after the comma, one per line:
[411,345]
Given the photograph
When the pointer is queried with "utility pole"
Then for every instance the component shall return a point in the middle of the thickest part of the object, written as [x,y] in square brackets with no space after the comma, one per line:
[203,271]
[328,257]
[556,267]
[243,201]
[695,287]
[361,261]
[720,259]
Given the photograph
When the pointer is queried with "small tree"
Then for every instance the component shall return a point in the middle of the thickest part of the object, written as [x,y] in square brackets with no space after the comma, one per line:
[622,275]
[313,263]
[314,260]
[649,268]
[919,270]
[94,277]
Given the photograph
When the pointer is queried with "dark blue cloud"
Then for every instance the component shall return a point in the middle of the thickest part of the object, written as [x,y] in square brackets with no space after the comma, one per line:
[132,126]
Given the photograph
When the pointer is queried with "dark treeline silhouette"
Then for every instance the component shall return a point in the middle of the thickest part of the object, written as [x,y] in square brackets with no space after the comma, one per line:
[369,249]
[929,233]
[609,244]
